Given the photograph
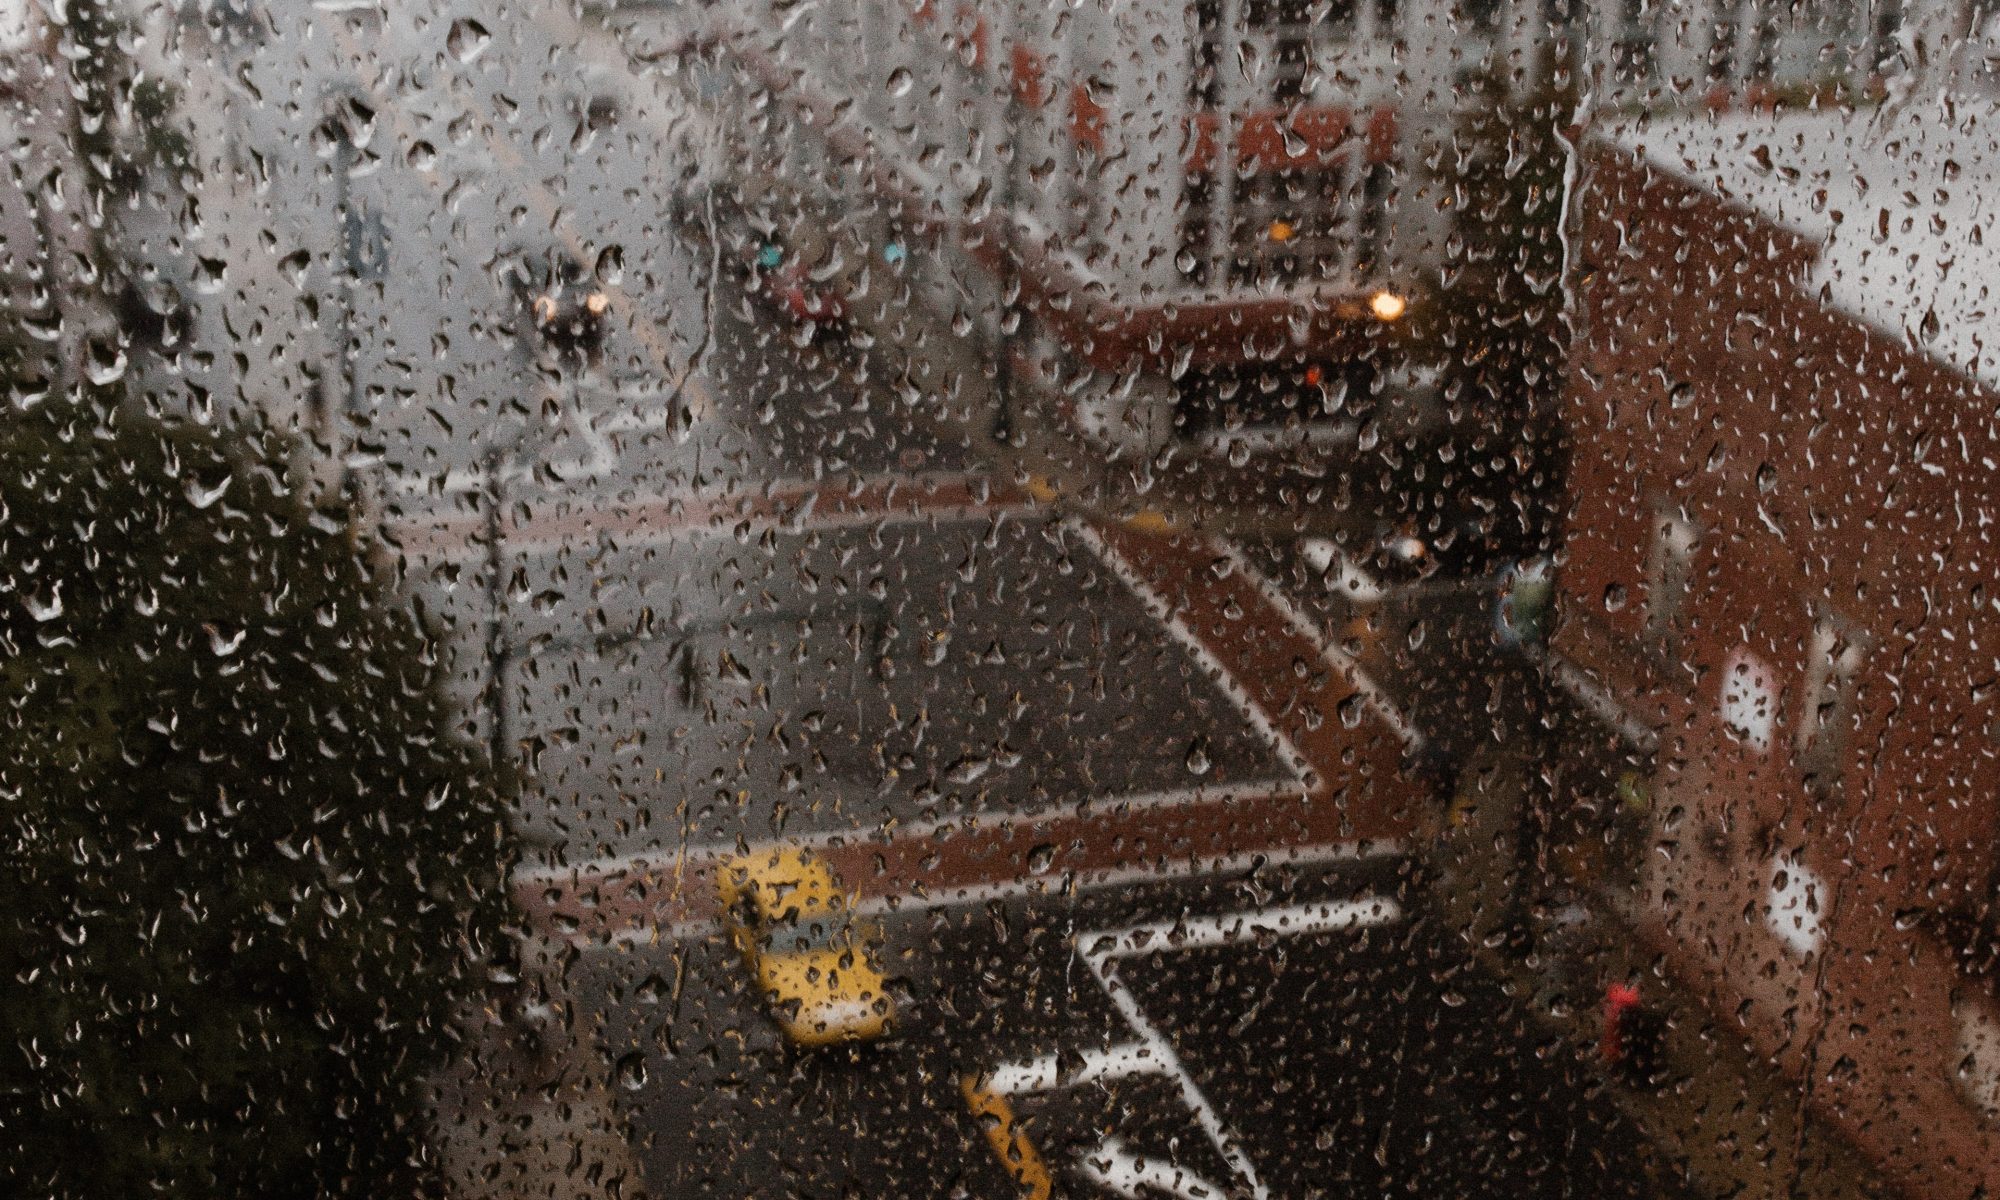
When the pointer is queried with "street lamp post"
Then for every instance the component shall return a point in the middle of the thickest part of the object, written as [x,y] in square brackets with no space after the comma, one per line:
[1010,272]
[343,166]
[497,461]
[362,254]
[499,647]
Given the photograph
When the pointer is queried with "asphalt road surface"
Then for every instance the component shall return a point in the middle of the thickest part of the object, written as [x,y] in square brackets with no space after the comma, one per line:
[1296,1031]
[1132,807]
[808,680]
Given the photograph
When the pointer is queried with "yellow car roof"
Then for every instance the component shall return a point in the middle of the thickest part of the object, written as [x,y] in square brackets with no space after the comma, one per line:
[780,884]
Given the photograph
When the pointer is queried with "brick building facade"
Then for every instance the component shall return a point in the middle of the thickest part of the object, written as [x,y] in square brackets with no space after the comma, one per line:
[1779,563]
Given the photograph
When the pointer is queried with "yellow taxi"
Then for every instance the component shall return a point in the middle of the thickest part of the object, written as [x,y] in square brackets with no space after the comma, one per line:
[794,927]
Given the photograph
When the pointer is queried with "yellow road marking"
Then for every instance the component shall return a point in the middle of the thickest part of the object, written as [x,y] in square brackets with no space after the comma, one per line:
[1016,1153]
[1149,520]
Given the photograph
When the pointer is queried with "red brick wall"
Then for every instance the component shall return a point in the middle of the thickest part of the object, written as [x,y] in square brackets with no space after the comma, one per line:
[1825,466]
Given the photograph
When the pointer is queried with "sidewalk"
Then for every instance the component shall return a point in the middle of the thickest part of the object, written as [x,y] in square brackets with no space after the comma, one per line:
[1727,1123]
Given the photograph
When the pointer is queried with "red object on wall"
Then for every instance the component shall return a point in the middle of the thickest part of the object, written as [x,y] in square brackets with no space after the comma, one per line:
[1382,135]
[1269,137]
[1086,119]
[970,33]
[1028,70]
[1620,999]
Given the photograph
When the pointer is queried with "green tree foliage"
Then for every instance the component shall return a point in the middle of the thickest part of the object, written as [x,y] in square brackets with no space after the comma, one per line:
[252,868]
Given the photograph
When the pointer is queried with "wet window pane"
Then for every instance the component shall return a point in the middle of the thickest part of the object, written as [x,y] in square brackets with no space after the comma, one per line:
[1244,598]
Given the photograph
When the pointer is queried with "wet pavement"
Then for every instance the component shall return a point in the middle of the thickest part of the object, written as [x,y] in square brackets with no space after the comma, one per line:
[1267,1031]
[1134,783]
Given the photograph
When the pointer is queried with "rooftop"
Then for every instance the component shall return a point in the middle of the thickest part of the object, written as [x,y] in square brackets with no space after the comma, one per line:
[1899,198]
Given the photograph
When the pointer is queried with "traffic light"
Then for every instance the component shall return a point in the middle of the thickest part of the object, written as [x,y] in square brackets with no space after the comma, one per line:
[1633,1042]
[566,310]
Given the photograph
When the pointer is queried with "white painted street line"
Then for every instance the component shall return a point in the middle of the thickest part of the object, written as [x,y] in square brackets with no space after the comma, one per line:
[709,514]
[1331,654]
[1030,887]
[1198,933]
[1158,608]
[1044,1073]
[1112,1166]
[1191,1095]
[1101,950]
[1350,579]
[1056,884]
[618,864]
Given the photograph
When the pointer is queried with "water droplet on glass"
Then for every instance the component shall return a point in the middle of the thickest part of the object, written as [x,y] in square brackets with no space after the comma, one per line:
[632,1072]
[467,40]
[1197,757]
[104,371]
[46,609]
[202,497]
[1350,712]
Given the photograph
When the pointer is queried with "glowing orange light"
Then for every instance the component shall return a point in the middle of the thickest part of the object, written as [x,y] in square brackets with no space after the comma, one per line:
[1387,306]
[1281,231]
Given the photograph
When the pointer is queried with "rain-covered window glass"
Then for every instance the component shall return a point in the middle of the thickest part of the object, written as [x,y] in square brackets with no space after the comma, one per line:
[1253,599]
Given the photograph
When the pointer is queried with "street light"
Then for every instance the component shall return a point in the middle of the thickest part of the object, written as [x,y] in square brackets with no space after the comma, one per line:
[573,332]
[499,647]
[1010,279]
[364,255]
[1387,306]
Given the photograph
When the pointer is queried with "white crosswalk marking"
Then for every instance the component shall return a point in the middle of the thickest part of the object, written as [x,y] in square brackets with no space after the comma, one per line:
[1097,1066]
[1101,951]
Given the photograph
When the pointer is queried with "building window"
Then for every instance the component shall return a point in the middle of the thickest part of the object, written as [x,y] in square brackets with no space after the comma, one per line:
[1287,32]
[1749,701]
[1795,905]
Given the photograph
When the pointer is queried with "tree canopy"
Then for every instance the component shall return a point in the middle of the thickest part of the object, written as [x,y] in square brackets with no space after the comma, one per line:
[253,867]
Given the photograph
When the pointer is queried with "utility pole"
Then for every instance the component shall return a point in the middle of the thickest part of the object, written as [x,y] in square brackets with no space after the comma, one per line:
[343,166]
[1010,271]
[498,461]
[499,647]
[358,257]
